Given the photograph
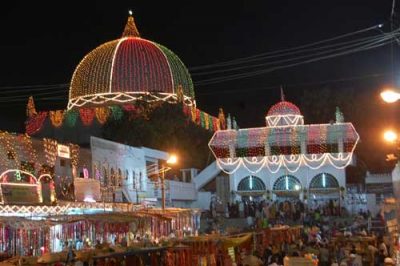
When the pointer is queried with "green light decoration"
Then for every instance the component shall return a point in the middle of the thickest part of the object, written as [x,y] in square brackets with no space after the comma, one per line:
[179,72]
[71,117]
[18,175]
[116,112]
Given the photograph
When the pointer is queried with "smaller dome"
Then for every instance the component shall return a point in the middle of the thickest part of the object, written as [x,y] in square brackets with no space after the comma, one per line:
[284,108]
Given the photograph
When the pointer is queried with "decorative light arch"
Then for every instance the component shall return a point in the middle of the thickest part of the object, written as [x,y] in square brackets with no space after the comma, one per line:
[324,181]
[44,176]
[251,183]
[17,172]
[287,183]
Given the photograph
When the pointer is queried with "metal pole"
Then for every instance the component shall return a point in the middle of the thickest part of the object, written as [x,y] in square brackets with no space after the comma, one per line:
[163,189]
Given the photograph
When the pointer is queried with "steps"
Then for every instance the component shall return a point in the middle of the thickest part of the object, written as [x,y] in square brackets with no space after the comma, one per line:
[205,176]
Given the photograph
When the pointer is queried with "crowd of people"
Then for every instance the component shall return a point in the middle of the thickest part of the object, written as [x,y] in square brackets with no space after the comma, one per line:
[287,211]
[323,224]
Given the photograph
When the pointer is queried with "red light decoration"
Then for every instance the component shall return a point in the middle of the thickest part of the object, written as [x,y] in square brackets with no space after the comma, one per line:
[284,108]
[35,123]
[87,116]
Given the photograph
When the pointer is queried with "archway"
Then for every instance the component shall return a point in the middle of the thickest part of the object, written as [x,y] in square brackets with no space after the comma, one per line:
[324,189]
[47,188]
[251,187]
[19,187]
[287,186]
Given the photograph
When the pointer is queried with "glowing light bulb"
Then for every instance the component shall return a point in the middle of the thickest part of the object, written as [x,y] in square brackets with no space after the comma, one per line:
[390,96]
[390,136]
[130,12]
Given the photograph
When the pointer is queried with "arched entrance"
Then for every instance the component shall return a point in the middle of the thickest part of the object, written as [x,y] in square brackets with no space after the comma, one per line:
[19,187]
[324,188]
[287,187]
[251,187]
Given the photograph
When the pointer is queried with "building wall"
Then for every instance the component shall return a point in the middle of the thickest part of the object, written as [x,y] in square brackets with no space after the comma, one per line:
[304,174]
[122,163]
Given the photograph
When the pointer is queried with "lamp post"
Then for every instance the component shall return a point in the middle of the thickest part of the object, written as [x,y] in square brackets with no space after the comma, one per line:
[171,160]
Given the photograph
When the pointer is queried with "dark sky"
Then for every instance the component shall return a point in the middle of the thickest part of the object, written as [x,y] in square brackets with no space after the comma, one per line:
[43,43]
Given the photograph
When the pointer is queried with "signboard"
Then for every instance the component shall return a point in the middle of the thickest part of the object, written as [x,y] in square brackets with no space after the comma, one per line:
[63,151]
[20,193]
[87,189]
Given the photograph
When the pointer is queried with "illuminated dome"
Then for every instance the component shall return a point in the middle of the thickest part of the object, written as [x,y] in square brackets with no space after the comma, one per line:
[284,108]
[284,113]
[128,69]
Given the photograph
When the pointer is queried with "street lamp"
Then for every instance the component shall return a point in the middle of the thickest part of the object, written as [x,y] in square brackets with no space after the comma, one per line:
[390,96]
[390,136]
[171,160]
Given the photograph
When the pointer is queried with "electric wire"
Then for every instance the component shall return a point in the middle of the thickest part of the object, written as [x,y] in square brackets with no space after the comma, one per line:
[263,71]
[372,41]
[290,49]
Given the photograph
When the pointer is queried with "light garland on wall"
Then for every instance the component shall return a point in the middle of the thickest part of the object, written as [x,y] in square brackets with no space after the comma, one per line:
[116,112]
[102,114]
[56,118]
[291,163]
[74,154]
[255,149]
[87,116]
[71,117]
[8,144]
[50,149]
[279,120]
[35,123]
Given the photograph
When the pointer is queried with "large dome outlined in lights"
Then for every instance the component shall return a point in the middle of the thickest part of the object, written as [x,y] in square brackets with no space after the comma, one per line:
[128,69]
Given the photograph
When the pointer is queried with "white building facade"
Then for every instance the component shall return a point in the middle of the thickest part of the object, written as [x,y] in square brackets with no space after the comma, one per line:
[131,174]
[286,158]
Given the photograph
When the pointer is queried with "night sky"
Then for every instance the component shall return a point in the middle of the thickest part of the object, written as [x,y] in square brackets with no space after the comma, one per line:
[42,44]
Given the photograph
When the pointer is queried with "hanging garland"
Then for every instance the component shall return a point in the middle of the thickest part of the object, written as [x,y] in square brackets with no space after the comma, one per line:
[50,149]
[74,154]
[116,112]
[8,142]
[35,123]
[129,107]
[71,117]
[28,151]
[56,118]
[87,116]
[102,114]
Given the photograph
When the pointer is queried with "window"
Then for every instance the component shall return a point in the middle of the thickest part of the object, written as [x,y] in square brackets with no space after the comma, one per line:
[10,155]
[287,183]
[62,163]
[250,183]
[324,181]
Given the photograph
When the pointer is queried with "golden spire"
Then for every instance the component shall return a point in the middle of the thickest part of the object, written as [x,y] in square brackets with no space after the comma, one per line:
[130,27]
[30,108]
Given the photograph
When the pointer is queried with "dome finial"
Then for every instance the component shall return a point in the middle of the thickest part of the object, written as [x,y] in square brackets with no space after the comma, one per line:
[130,27]
[282,94]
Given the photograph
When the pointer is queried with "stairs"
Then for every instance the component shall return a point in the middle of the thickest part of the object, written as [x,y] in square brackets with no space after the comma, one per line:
[205,176]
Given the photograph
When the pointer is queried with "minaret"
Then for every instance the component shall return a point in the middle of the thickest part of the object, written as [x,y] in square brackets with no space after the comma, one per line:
[30,107]
[130,27]
[221,118]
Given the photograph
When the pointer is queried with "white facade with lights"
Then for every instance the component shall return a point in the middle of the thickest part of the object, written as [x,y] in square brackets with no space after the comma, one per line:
[286,158]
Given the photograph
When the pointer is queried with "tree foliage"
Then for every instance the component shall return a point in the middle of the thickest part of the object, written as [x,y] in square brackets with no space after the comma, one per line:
[164,127]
